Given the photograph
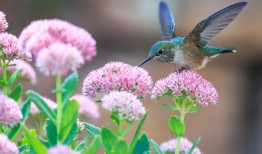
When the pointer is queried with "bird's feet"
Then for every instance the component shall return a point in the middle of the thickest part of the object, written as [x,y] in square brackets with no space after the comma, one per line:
[184,68]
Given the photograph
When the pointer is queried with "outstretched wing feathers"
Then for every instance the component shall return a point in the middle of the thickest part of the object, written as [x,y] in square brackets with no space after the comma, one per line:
[166,21]
[211,26]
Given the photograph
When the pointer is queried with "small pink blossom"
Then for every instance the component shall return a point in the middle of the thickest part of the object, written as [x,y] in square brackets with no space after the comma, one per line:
[8,44]
[185,145]
[43,33]
[118,76]
[87,107]
[61,149]
[59,58]
[10,113]
[190,82]
[3,22]
[6,146]
[34,109]
[125,104]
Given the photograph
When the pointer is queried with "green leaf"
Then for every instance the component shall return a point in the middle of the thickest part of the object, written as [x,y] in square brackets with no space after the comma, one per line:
[69,122]
[14,77]
[81,146]
[194,146]
[16,93]
[74,142]
[176,126]
[93,147]
[44,142]
[133,142]
[115,130]
[92,130]
[108,139]
[41,105]
[171,107]
[51,132]
[195,109]
[25,140]
[22,148]
[37,146]
[25,109]
[71,135]
[156,147]
[120,147]
[142,145]
[69,86]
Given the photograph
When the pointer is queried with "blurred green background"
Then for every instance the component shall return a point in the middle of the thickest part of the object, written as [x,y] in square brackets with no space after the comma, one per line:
[125,30]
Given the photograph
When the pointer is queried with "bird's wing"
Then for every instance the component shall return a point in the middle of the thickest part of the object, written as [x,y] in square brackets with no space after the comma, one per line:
[166,20]
[211,26]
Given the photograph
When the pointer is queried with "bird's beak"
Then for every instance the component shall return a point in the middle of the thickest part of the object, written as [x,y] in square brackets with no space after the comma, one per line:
[144,61]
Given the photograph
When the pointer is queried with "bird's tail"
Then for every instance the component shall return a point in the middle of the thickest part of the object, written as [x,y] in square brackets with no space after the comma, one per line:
[228,50]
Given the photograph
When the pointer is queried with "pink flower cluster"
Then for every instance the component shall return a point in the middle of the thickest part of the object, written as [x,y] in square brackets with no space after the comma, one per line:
[6,146]
[125,104]
[61,149]
[87,107]
[8,43]
[3,22]
[118,76]
[34,109]
[10,113]
[42,33]
[57,45]
[58,58]
[185,145]
[190,82]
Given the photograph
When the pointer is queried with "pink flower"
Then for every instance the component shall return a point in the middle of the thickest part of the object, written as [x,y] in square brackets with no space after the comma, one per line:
[27,73]
[125,104]
[118,76]
[61,149]
[6,146]
[80,124]
[34,109]
[190,82]
[10,113]
[29,31]
[59,58]
[8,43]
[87,107]
[42,33]
[185,145]
[3,22]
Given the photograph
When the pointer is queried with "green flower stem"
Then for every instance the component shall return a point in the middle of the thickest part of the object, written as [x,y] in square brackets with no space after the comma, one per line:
[121,128]
[182,118]
[1,129]
[5,88]
[59,105]
[130,125]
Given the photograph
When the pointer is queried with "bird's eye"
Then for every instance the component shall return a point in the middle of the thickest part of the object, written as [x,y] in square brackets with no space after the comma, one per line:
[159,52]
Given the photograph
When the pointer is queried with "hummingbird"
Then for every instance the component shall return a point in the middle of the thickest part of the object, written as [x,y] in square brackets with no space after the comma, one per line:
[192,51]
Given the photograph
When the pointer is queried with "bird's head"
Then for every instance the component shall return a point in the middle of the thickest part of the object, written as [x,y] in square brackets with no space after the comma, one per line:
[160,51]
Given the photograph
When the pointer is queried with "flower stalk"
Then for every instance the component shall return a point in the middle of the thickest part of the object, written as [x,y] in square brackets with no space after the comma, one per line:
[5,88]
[121,128]
[182,118]
[59,105]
